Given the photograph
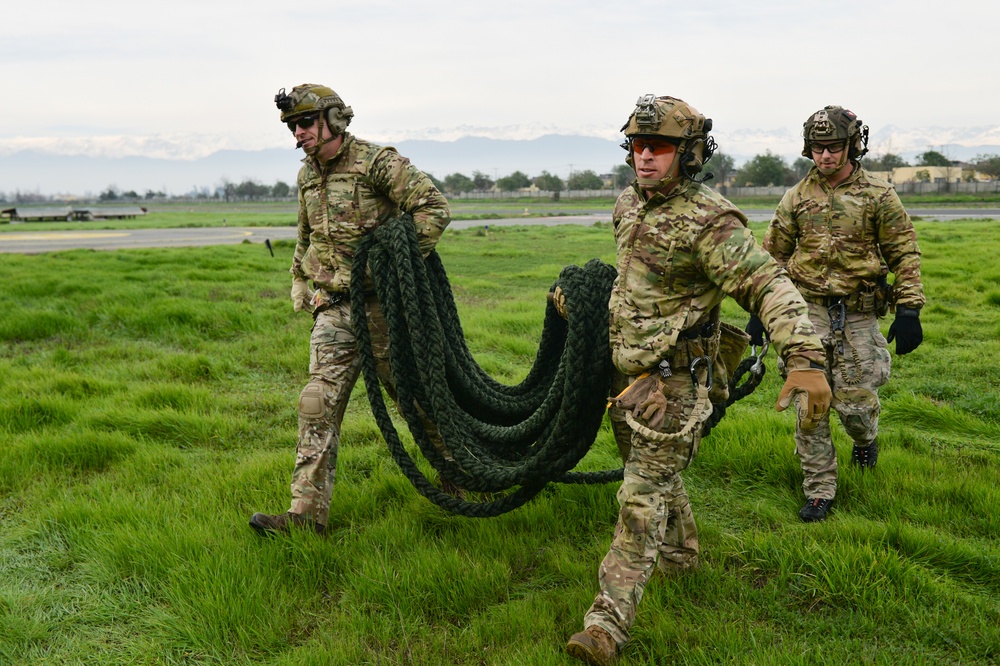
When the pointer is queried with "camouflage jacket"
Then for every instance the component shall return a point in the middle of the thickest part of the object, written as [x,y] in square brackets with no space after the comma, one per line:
[679,255]
[361,187]
[831,240]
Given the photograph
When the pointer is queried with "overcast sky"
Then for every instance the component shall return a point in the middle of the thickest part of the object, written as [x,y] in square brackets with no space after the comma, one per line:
[205,72]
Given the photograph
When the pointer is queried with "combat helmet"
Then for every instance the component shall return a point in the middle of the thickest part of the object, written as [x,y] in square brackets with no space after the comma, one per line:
[311,98]
[679,123]
[835,123]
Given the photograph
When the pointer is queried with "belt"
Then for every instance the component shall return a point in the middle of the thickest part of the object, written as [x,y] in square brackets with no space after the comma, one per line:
[825,301]
[706,330]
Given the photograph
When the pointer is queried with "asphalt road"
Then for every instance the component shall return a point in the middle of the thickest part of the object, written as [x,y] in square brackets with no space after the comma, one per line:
[34,242]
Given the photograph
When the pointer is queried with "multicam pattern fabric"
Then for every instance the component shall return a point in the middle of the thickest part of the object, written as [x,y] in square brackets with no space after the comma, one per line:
[360,188]
[679,255]
[656,526]
[334,366]
[855,377]
[834,241]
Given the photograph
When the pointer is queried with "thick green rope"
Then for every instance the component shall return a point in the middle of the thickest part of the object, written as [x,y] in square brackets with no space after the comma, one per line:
[501,438]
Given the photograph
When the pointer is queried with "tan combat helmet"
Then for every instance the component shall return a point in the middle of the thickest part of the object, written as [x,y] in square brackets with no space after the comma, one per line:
[312,99]
[678,122]
[835,123]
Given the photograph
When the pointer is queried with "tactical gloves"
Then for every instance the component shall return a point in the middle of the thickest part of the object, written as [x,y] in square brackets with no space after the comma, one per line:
[906,330]
[644,399]
[810,383]
[301,295]
[558,299]
[755,329]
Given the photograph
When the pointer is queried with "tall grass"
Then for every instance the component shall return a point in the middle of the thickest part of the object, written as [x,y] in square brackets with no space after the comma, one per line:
[147,408]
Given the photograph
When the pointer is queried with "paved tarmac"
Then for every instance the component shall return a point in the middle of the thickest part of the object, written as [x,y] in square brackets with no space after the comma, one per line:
[35,242]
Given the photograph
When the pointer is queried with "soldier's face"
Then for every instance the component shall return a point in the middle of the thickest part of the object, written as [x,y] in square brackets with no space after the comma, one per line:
[828,155]
[307,137]
[654,159]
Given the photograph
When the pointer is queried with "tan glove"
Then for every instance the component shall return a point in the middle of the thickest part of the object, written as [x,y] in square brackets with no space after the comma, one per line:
[301,295]
[812,385]
[558,299]
[644,399]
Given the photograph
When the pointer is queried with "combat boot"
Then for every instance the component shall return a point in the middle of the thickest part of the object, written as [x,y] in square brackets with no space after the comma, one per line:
[865,457]
[267,525]
[594,646]
[815,510]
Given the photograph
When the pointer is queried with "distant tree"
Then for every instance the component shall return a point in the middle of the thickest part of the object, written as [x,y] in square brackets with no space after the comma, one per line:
[622,175]
[800,167]
[514,181]
[110,194]
[251,190]
[933,158]
[721,166]
[481,181]
[547,181]
[988,164]
[280,190]
[129,195]
[923,176]
[886,162]
[457,183]
[584,180]
[150,194]
[766,169]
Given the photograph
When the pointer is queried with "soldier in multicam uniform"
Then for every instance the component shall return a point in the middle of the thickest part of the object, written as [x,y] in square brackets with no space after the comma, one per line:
[839,231]
[347,187]
[681,249]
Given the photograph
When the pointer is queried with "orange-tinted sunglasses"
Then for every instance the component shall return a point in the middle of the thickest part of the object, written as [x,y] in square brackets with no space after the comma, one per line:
[656,146]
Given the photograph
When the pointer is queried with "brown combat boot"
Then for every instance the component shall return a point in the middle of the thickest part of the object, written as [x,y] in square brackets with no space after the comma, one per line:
[594,646]
[281,524]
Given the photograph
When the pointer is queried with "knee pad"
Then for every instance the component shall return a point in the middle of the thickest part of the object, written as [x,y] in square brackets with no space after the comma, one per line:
[859,409]
[312,402]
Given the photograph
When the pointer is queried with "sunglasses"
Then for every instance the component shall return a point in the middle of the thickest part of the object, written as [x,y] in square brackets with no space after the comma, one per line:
[656,146]
[834,148]
[305,122]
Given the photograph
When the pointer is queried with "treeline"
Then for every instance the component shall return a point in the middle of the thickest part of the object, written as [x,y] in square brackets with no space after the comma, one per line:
[772,170]
[458,183]
[761,171]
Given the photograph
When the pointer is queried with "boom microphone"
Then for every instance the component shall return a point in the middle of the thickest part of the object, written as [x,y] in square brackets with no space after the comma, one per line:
[298,144]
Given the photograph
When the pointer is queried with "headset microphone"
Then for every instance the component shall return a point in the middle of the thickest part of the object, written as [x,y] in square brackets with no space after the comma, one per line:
[298,144]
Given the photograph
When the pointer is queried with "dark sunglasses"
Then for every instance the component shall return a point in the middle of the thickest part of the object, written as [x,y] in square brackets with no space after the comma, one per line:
[305,122]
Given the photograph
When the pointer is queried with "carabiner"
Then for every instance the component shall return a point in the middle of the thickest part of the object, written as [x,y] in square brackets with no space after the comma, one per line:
[758,367]
[694,371]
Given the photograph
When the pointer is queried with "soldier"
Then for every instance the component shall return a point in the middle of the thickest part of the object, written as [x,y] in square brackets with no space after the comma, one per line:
[839,231]
[681,249]
[347,187]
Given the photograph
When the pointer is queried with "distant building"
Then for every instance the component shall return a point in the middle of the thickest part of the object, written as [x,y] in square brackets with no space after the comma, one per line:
[70,214]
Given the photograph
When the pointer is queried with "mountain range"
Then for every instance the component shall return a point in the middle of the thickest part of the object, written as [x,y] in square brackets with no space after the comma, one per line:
[93,167]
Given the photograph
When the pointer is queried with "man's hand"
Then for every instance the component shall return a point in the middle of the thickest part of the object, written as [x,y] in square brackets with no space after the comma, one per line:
[906,330]
[301,295]
[755,329]
[811,384]
[558,299]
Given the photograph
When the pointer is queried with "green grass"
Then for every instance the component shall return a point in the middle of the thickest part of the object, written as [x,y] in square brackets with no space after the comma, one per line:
[147,408]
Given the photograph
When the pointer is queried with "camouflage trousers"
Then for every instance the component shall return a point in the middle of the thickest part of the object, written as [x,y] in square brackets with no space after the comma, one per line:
[655,526]
[334,366]
[858,363]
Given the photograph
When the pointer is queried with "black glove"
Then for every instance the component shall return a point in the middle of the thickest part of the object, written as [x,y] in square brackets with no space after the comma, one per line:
[755,329]
[906,330]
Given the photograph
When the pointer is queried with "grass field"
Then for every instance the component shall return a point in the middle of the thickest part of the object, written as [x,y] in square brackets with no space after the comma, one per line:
[148,408]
